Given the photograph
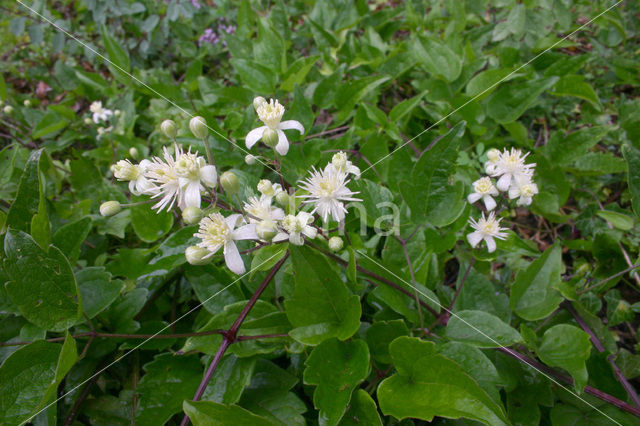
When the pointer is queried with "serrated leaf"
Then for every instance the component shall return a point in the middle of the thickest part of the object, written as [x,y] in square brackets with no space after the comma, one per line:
[209,413]
[257,77]
[564,149]
[511,100]
[574,85]
[481,329]
[321,306]
[568,347]
[437,58]
[42,284]
[28,195]
[336,368]
[427,385]
[533,294]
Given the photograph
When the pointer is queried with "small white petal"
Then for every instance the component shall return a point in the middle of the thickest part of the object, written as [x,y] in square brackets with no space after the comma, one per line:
[192,195]
[292,124]
[283,143]
[473,197]
[233,220]
[491,243]
[296,239]
[310,231]
[504,182]
[254,136]
[209,176]
[246,232]
[132,187]
[280,236]
[474,238]
[489,202]
[233,259]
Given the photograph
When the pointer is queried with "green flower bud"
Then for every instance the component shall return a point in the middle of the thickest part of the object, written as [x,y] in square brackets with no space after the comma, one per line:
[117,113]
[195,255]
[229,182]
[110,208]
[270,137]
[88,121]
[169,128]
[250,159]
[266,230]
[27,103]
[282,198]
[191,215]
[133,152]
[335,243]
[198,126]
[8,109]
[257,101]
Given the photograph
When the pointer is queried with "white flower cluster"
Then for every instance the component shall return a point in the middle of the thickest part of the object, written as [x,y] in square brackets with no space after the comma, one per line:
[181,179]
[515,177]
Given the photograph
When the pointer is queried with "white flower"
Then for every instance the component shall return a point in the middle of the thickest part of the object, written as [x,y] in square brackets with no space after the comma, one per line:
[270,113]
[268,188]
[296,227]
[327,191]
[99,113]
[341,164]
[484,189]
[510,165]
[180,180]
[524,188]
[493,155]
[260,209]
[486,229]
[125,171]
[217,232]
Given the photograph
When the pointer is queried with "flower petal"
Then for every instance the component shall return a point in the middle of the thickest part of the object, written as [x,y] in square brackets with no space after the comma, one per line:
[504,182]
[254,136]
[473,197]
[132,187]
[192,194]
[280,236]
[233,220]
[246,232]
[283,143]
[291,124]
[491,243]
[489,202]
[209,176]
[474,238]
[232,258]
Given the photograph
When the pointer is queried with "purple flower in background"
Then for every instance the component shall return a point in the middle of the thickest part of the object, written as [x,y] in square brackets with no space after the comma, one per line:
[196,4]
[214,37]
[209,36]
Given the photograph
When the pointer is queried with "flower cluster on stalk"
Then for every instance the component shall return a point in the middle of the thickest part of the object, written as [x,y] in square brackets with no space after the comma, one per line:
[185,180]
[514,178]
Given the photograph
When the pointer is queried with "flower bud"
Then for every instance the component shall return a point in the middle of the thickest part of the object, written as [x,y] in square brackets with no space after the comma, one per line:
[229,182]
[169,128]
[27,103]
[100,130]
[110,208]
[198,126]
[493,155]
[192,215]
[8,109]
[266,187]
[117,113]
[1,102]
[133,152]
[282,198]
[257,101]
[88,121]
[335,243]
[266,230]
[250,159]
[195,255]
[270,137]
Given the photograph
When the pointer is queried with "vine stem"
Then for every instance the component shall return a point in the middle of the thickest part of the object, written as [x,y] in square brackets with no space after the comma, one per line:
[600,347]
[231,336]
[403,244]
[447,314]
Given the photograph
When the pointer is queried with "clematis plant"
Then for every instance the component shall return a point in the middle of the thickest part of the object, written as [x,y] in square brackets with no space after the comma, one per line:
[272,134]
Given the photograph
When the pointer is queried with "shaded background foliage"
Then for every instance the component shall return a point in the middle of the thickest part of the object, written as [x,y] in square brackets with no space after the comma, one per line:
[82,290]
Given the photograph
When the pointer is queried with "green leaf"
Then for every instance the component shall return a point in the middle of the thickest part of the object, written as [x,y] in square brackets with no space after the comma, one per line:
[208,282]
[42,284]
[321,306]
[618,220]
[354,92]
[427,385]
[481,329]
[336,368]
[265,258]
[574,85]
[68,238]
[437,58]
[376,200]
[208,413]
[381,334]
[29,378]
[485,81]
[568,347]
[533,295]
[49,124]
[269,47]
[430,195]
[405,107]
[564,149]
[362,411]
[632,157]
[97,289]
[120,63]
[257,77]
[511,100]
[232,375]
[147,224]
[297,72]
[168,380]
[28,196]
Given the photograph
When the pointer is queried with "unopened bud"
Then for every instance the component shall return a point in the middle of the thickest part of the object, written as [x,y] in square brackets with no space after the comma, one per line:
[282,198]
[266,230]
[493,155]
[88,121]
[192,215]
[266,187]
[196,255]
[270,137]
[169,128]
[27,103]
[117,113]
[110,208]
[257,101]
[100,130]
[229,182]
[250,159]
[335,243]
[8,109]
[198,126]
[133,152]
